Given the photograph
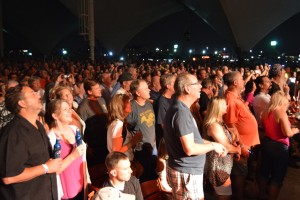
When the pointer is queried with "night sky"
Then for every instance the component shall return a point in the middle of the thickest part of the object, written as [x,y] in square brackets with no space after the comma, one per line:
[173,29]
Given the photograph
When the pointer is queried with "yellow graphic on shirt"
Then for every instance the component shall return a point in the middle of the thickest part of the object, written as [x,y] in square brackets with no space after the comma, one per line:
[147,117]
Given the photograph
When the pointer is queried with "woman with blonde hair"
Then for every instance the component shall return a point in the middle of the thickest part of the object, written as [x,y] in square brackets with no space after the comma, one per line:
[118,137]
[217,168]
[274,148]
[65,93]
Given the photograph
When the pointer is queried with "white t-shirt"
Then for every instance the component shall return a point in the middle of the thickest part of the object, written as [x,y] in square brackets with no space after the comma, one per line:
[114,131]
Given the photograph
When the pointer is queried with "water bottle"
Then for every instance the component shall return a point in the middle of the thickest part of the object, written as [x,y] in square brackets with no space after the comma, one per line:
[78,138]
[139,145]
[57,149]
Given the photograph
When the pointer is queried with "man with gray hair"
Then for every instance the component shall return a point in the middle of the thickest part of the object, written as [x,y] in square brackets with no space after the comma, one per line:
[184,144]
[276,74]
[240,118]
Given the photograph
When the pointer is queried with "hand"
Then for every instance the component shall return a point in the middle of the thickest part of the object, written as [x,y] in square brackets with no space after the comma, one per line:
[238,150]
[54,165]
[286,89]
[79,151]
[137,138]
[220,149]
[244,152]
[59,78]
[71,79]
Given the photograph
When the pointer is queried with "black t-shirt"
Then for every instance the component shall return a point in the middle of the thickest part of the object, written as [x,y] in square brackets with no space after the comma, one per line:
[23,146]
[163,105]
[154,95]
[203,103]
[131,187]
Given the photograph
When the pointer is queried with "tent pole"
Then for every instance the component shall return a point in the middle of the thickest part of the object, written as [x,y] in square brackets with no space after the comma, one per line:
[91,30]
[1,31]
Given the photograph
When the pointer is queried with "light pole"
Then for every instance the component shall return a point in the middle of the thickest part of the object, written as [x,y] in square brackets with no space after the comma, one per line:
[273,44]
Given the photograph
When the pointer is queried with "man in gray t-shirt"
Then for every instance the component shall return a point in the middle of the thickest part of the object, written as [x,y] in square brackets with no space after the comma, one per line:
[184,144]
[142,117]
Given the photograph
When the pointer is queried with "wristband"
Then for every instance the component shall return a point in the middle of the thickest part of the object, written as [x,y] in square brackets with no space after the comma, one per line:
[46,168]
[213,145]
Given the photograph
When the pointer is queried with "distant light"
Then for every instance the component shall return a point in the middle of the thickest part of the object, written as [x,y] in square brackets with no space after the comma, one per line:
[64,52]
[206,48]
[278,57]
[194,59]
[261,51]
[25,50]
[203,52]
[121,58]
[273,43]
[105,55]
[183,61]
[190,51]
[250,51]
[170,60]
[110,53]
[30,54]
[224,49]
[216,52]
[175,50]
[175,46]
[157,49]
[252,56]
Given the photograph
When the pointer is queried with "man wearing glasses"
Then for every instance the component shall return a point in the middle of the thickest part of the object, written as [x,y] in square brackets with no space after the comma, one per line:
[184,144]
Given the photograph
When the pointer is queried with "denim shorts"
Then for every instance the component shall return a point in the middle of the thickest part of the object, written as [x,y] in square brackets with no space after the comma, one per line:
[275,158]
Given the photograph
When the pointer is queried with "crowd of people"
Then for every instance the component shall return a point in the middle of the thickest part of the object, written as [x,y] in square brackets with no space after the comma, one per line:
[187,126]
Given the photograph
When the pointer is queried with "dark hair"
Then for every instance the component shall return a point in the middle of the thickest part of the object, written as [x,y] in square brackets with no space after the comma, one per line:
[52,107]
[248,88]
[88,84]
[113,158]
[207,82]
[12,97]
[259,80]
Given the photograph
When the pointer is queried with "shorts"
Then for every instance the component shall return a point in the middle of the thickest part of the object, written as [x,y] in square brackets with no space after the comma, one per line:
[185,186]
[225,189]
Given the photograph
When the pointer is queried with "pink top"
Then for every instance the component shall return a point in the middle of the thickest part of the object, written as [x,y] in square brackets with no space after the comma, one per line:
[72,178]
[273,130]
[250,98]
